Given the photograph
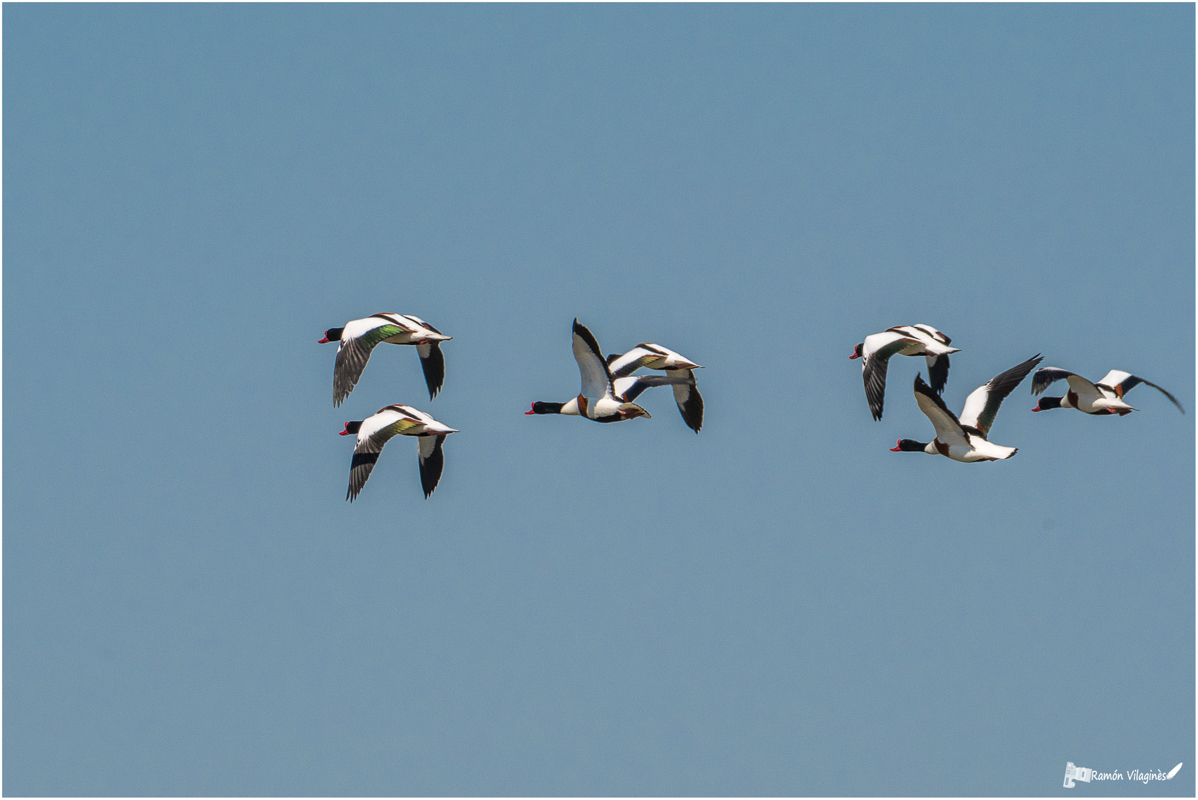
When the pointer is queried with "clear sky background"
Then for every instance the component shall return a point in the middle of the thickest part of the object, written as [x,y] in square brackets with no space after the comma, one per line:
[778,605]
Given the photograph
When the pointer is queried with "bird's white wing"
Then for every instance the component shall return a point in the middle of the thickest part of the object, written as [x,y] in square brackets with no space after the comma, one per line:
[630,387]
[596,379]
[358,338]
[1083,386]
[375,432]
[631,361]
[875,355]
[1114,378]
[1123,382]
[948,429]
[932,333]
[983,402]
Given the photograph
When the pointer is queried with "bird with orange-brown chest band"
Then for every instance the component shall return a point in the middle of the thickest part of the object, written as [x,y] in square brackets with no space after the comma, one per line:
[1104,398]
[964,438]
[597,399]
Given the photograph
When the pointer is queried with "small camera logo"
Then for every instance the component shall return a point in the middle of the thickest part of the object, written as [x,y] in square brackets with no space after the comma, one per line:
[1072,773]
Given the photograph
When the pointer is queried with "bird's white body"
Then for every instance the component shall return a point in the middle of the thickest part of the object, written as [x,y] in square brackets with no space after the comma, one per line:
[975,449]
[1093,403]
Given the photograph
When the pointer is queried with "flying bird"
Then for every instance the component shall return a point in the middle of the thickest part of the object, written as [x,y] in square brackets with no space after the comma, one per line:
[654,356]
[964,438]
[375,431]
[624,389]
[902,340]
[1102,398]
[598,399]
[360,336]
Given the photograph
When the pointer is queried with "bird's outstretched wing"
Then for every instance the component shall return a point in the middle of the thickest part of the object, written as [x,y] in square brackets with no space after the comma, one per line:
[432,460]
[878,349]
[596,379]
[948,427]
[983,402]
[1121,383]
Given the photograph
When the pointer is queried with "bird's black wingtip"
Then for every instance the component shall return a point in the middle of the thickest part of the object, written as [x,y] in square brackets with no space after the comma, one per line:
[429,485]
[584,333]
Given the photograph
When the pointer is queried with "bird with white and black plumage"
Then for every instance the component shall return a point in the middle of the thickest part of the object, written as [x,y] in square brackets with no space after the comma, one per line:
[360,336]
[624,389]
[376,430]
[901,340]
[1104,398]
[654,356]
[964,438]
[598,399]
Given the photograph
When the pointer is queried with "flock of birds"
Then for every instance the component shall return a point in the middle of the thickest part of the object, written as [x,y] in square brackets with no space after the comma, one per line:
[609,387]
[964,438]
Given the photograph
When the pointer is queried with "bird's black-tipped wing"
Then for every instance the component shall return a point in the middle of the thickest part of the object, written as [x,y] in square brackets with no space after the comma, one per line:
[937,372]
[690,402]
[365,456]
[373,434]
[432,361]
[596,377]
[873,372]
[1046,376]
[583,332]
[874,375]
[631,387]
[948,427]
[352,356]
[983,402]
[1121,383]
[432,461]
[634,359]
[1126,388]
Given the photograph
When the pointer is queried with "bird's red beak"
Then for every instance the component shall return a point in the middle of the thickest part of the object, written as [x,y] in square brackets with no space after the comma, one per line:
[346,431]
[1037,408]
[854,355]
[529,411]
[325,340]
[896,449]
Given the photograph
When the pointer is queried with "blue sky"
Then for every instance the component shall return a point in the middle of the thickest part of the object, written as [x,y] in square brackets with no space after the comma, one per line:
[777,606]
